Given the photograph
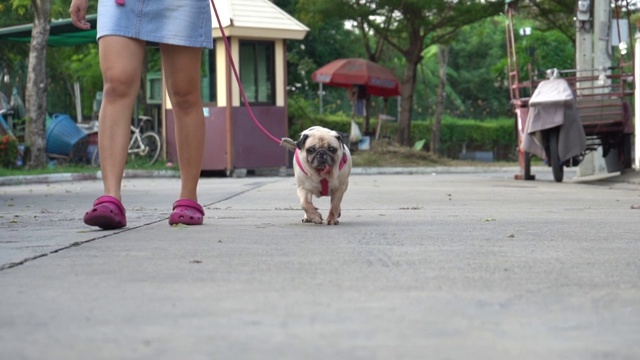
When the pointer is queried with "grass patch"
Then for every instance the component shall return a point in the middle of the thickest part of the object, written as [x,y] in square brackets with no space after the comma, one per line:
[59,168]
[388,154]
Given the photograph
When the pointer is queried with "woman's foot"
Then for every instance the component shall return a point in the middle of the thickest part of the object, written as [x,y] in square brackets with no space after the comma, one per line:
[107,213]
[186,212]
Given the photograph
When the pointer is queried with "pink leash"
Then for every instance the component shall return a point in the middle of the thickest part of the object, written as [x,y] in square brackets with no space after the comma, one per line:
[285,141]
[235,73]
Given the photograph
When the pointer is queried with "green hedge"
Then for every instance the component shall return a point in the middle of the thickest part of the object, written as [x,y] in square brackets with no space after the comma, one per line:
[498,135]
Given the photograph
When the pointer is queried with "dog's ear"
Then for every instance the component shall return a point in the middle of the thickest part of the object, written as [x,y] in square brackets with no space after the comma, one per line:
[302,141]
[342,137]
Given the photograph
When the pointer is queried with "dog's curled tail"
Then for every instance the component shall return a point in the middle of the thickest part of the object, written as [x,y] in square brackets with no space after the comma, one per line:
[288,143]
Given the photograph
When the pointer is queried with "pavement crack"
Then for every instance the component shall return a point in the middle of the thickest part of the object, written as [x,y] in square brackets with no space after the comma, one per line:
[14,264]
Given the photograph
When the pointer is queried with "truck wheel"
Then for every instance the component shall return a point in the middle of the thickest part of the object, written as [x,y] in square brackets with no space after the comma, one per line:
[627,162]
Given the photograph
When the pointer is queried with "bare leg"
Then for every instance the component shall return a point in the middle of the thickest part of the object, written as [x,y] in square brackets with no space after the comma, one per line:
[181,70]
[121,64]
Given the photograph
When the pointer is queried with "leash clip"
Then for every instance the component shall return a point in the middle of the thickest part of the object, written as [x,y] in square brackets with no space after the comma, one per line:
[288,143]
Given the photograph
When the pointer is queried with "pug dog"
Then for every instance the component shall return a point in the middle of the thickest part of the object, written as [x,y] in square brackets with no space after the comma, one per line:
[322,165]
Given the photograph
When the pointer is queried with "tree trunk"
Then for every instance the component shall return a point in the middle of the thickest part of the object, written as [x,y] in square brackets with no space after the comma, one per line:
[412,56]
[367,116]
[408,88]
[36,91]
[443,60]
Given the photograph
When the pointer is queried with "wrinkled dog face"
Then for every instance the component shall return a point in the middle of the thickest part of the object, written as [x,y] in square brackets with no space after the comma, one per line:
[322,149]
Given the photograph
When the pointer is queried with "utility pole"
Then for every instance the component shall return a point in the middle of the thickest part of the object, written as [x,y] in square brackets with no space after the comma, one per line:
[602,40]
[636,65]
[584,44]
[592,58]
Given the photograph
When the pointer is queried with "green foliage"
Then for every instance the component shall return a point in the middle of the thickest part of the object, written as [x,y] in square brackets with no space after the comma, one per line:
[19,128]
[324,43]
[419,145]
[23,9]
[302,116]
[65,66]
[497,135]
[480,84]
[544,50]
[83,63]
[457,135]
[476,87]
[429,77]
[551,15]
[8,151]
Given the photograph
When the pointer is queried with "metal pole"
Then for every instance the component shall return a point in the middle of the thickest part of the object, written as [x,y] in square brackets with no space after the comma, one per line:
[321,93]
[399,109]
[636,73]
[78,98]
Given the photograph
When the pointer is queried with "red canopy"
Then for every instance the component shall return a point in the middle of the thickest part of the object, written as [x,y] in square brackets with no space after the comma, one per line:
[378,80]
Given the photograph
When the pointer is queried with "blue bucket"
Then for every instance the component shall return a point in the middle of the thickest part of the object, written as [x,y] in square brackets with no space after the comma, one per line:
[64,136]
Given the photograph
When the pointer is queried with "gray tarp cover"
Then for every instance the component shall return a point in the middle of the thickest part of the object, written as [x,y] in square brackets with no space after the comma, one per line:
[552,105]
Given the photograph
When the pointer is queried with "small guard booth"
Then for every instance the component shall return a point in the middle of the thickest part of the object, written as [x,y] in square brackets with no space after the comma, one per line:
[257,31]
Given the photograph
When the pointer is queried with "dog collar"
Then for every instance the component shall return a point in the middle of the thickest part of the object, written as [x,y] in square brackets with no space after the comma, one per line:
[324,183]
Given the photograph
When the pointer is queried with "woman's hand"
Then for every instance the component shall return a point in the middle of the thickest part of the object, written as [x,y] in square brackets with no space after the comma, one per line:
[78,12]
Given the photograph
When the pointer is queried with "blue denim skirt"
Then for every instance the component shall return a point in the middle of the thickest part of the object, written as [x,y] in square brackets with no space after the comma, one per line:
[177,22]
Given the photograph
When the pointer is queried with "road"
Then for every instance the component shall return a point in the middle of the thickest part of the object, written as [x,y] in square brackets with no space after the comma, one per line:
[433,265]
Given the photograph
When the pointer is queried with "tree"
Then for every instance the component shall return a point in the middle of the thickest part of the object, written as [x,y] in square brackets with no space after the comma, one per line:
[477,56]
[415,25]
[552,15]
[41,11]
[12,55]
[36,92]
[443,60]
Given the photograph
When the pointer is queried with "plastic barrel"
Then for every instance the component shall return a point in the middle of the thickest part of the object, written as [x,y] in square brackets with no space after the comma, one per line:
[65,138]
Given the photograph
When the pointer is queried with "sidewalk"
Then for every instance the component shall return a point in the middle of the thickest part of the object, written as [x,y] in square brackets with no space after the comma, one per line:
[465,265]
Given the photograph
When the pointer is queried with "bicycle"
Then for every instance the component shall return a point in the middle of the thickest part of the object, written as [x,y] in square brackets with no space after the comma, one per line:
[147,144]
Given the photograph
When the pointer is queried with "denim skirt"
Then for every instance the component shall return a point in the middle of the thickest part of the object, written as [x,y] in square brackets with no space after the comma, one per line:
[176,22]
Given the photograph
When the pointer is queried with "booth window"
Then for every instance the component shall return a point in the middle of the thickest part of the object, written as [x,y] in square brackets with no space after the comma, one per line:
[257,71]
[208,83]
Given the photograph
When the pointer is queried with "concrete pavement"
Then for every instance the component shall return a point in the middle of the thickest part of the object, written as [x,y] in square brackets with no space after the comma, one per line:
[436,264]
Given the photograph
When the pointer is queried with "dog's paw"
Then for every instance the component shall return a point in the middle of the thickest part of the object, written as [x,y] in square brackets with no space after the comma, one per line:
[332,218]
[313,219]
[332,221]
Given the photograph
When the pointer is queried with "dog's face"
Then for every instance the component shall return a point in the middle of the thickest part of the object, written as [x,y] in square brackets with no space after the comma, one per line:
[321,148]
[322,168]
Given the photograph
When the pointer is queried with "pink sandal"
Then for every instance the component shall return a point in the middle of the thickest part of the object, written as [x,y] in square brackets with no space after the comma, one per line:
[107,213]
[186,212]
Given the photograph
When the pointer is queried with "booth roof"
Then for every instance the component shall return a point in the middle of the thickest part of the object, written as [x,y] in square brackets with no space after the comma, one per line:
[256,19]
[61,33]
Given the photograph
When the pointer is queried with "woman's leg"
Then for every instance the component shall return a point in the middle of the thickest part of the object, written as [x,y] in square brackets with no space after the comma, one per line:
[121,63]
[181,70]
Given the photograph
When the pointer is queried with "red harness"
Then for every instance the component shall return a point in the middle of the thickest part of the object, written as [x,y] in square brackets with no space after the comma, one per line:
[324,183]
